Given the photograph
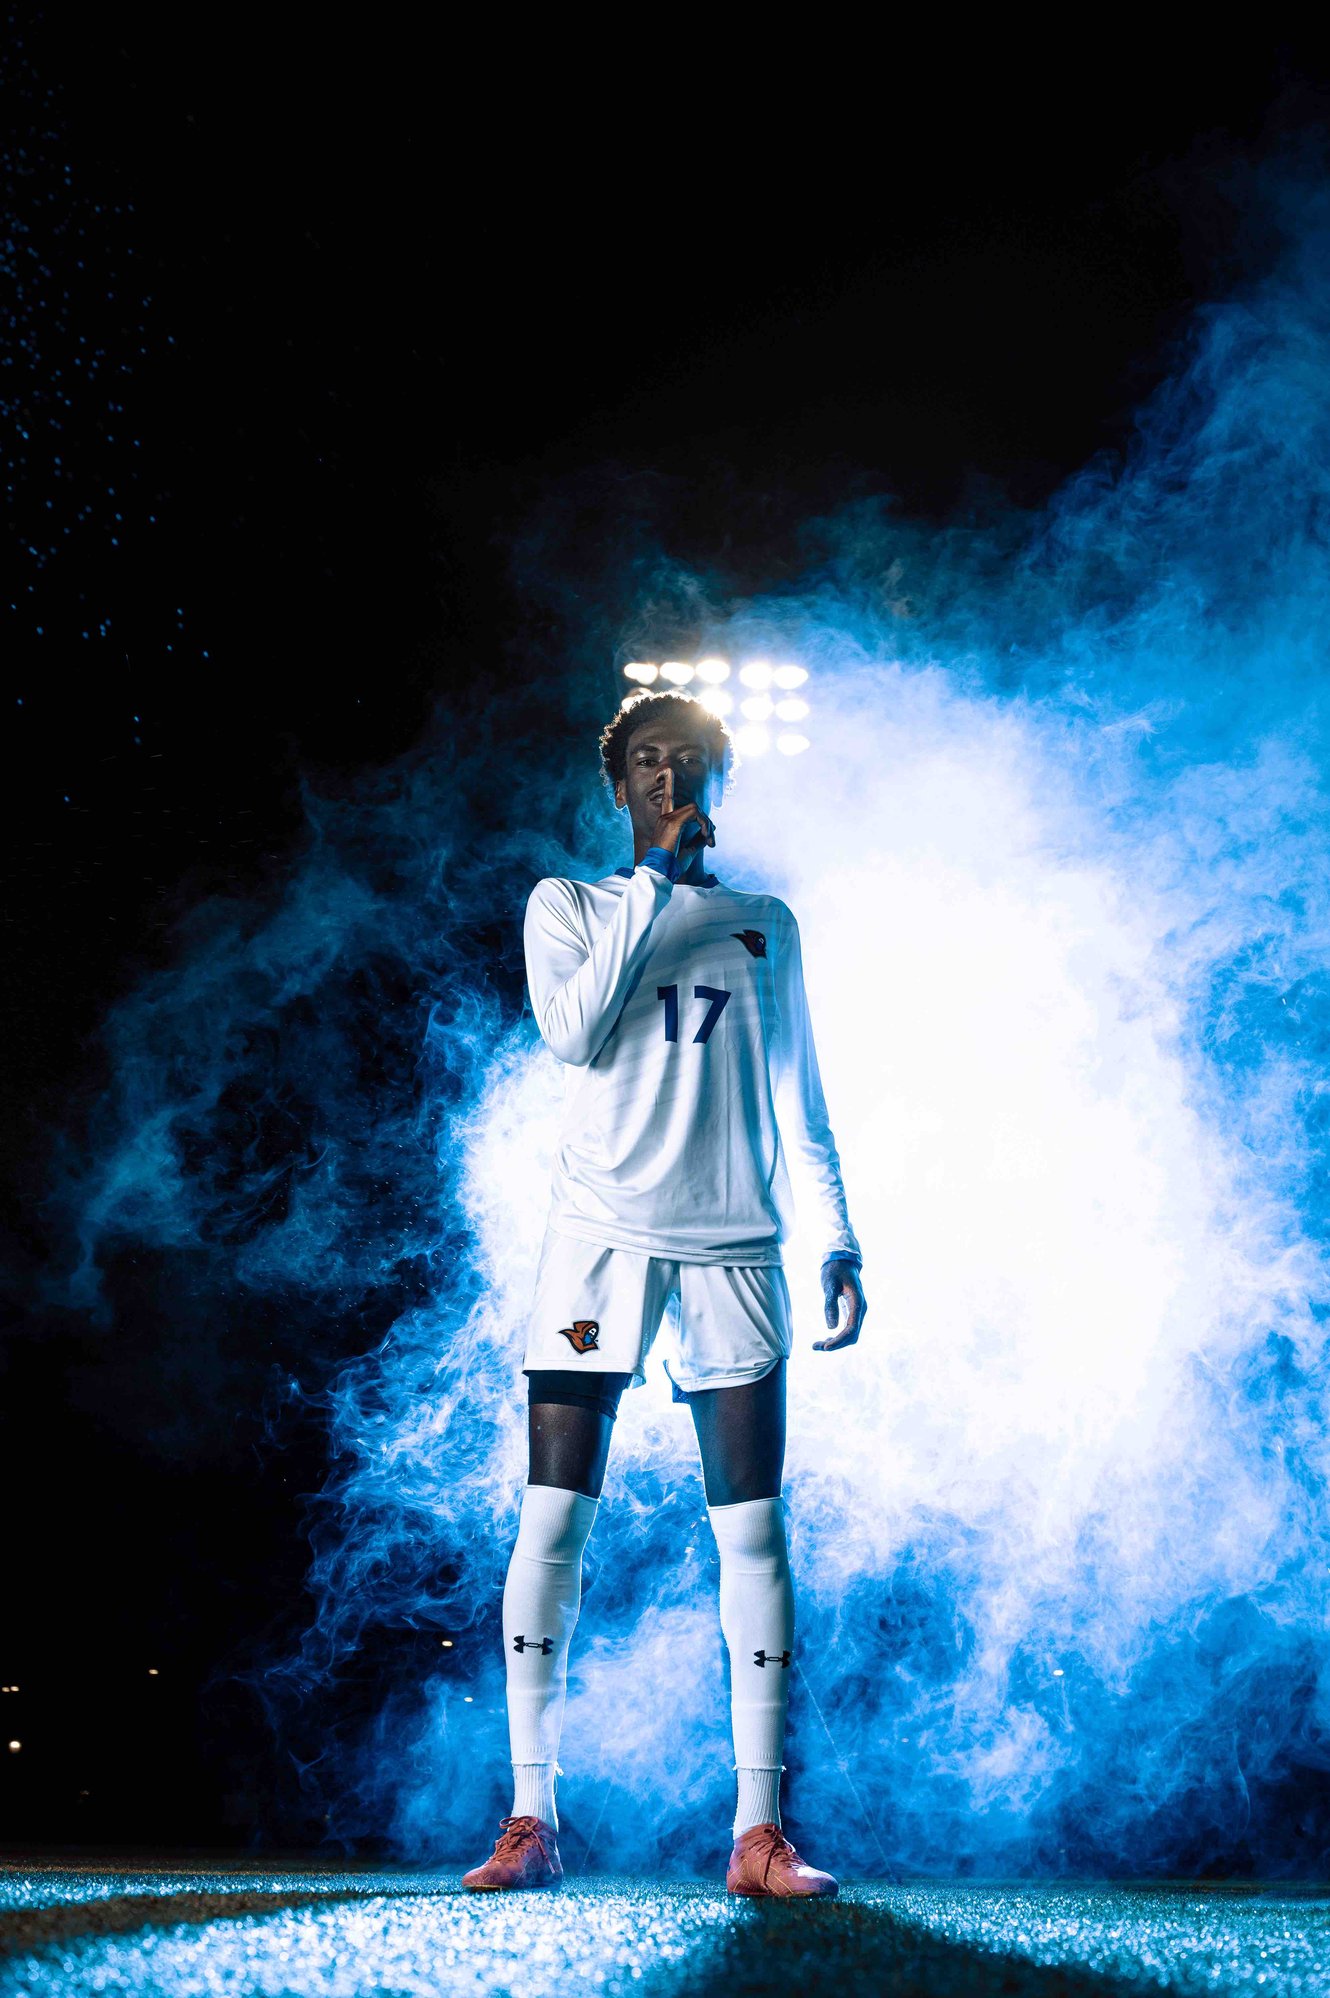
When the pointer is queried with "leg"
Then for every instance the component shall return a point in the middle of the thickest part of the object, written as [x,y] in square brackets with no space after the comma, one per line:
[741,1438]
[592,1309]
[570,1441]
[741,1435]
[569,1445]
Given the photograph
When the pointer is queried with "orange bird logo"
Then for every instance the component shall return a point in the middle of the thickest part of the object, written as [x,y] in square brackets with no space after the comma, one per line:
[753,941]
[583,1335]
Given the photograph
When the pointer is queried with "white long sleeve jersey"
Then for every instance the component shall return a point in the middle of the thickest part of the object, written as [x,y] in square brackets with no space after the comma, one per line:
[681,1014]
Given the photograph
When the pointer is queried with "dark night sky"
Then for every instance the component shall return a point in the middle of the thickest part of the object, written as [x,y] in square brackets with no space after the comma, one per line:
[405,300]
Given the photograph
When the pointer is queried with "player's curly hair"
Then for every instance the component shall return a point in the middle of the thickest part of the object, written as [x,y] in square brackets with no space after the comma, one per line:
[645,707]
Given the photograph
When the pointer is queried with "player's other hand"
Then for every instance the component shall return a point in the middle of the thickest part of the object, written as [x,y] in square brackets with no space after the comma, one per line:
[681,826]
[841,1280]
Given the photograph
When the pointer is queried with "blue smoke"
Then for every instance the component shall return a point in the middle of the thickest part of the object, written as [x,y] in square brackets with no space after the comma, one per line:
[1059,854]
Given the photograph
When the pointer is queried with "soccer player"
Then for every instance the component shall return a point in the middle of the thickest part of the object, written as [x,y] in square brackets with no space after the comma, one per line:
[678,1005]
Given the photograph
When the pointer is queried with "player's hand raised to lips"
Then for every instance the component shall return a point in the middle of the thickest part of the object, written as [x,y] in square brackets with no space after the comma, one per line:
[841,1280]
[672,825]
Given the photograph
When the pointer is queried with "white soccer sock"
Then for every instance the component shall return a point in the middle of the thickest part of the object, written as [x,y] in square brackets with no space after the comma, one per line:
[757,1617]
[541,1598]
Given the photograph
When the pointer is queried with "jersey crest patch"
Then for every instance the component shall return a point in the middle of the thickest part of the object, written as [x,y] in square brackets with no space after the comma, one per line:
[753,941]
[583,1335]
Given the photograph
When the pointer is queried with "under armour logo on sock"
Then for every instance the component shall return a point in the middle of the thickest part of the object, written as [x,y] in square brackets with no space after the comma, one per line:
[771,1658]
[542,1644]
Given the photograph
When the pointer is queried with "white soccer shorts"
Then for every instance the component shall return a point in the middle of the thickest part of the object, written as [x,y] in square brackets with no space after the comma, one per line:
[598,1310]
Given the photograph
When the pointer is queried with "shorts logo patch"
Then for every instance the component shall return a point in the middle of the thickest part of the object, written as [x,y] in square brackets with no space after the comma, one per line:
[583,1335]
[753,941]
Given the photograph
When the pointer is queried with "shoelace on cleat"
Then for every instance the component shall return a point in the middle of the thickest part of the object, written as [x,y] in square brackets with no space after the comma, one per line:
[769,1843]
[513,1834]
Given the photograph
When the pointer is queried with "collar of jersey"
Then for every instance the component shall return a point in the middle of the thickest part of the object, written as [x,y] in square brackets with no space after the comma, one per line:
[710,882]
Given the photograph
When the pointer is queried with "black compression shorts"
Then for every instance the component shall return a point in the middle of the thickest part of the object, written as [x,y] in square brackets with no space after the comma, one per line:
[598,1391]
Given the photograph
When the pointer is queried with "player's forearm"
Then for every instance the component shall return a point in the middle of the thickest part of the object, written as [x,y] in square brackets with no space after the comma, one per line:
[806,1128]
[801,1109]
[576,1015]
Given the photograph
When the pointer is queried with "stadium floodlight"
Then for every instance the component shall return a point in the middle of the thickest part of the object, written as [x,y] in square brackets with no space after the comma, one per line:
[757,708]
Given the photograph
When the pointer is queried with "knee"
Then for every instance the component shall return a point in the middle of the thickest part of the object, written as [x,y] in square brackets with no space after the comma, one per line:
[554,1523]
[751,1532]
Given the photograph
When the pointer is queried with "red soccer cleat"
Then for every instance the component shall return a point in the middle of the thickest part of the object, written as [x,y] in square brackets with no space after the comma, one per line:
[764,1862]
[526,1854]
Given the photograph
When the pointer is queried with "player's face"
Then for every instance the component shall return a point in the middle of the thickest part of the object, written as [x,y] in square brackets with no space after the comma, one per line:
[652,749]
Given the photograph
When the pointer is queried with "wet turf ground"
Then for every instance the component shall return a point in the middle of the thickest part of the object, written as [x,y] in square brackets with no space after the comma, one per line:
[182,1928]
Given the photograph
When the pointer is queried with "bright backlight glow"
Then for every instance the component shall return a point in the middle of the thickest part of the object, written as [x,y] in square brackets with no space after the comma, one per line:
[790,745]
[717,700]
[756,673]
[677,670]
[641,669]
[793,710]
[757,707]
[1059,870]
[713,670]
[790,676]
